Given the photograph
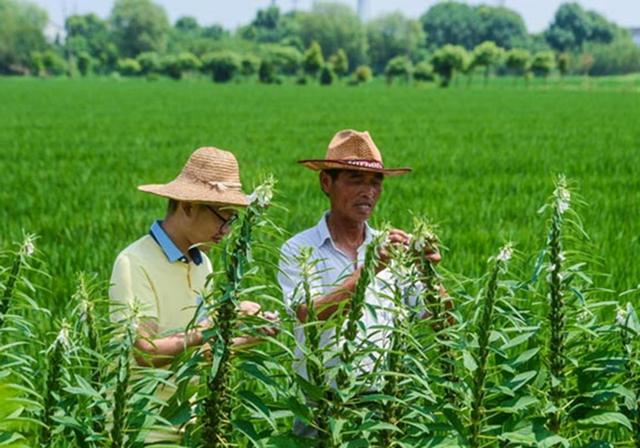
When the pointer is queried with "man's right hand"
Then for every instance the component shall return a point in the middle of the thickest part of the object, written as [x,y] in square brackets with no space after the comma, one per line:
[397,237]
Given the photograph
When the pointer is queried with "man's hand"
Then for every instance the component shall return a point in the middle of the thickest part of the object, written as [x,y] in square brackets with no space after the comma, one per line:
[396,237]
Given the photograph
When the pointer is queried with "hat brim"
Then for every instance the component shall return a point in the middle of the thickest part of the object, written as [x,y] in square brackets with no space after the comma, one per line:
[325,164]
[181,191]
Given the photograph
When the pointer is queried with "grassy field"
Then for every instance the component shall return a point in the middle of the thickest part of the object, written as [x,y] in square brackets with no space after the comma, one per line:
[524,361]
[74,151]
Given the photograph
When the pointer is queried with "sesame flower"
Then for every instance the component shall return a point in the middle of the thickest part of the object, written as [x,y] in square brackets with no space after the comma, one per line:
[621,317]
[263,194]
[562,195]
[506,252]
[28,247]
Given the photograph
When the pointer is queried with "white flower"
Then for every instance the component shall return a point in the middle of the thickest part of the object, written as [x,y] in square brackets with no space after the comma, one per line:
[506,253]
[63,337]
[621,317]
[562,195]
[584,315]
[28,247]
[263,194]
[552,267]
[380,240]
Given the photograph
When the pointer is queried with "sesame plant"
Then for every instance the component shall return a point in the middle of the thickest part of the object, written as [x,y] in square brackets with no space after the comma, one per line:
[505,359]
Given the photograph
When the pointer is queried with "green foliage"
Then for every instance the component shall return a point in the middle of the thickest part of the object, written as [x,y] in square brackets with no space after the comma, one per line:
[399,67]
[448,60]
[487,55]
[620,57]
[249,65]
[333,26]
[339,63]
[363,74]
[313,61]
[542,63]
[563,62]
[22,26]
[423,71]
[517,61]
[573,26]
[451,23]
[84,63]
[150,62]
[267,72]
[128,67]
[175,65]
[501,25]
[223,65]
[327,75]
[138,26]
[393,35]
[285,60]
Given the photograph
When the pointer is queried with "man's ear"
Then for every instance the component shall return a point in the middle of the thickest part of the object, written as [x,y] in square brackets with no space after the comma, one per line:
[325,182]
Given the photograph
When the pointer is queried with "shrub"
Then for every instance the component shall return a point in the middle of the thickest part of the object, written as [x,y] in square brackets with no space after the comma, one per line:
[128,67]
[399,67]
[149,62]
[84,63]
[222,65]
[249,65]
[327,75]
[448,60]
[423,72]
[363,74]
[543,62]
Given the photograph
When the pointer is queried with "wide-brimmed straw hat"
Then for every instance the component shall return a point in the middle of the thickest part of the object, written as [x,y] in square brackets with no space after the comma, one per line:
[210,175]
[353,150]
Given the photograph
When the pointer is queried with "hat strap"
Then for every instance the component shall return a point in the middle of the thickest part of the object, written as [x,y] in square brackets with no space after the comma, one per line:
[223,186]
[364,163]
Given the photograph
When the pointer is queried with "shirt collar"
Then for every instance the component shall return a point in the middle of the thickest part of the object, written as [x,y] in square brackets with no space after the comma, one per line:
[171,251]
[323,235]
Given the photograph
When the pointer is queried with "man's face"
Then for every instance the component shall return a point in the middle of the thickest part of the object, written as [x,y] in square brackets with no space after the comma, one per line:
[353,194]
[206,224]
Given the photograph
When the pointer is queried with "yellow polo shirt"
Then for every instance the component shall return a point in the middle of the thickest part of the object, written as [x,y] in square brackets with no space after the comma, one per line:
[168,291]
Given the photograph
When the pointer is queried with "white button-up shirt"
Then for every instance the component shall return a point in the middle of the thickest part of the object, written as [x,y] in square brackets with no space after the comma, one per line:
[332,268]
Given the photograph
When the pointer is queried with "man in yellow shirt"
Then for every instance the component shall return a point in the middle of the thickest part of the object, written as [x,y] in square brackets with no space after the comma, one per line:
[165,271]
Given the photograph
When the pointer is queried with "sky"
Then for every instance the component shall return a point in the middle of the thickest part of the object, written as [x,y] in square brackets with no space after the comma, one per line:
[536,13]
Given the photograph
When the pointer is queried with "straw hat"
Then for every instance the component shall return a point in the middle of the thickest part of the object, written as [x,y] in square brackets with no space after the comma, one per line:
[353,150]
[210,175]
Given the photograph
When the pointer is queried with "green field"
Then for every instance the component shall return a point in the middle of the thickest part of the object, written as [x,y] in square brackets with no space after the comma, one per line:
[532,355]
[73,153]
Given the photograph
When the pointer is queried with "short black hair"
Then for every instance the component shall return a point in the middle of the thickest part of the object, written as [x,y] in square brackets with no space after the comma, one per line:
[172,206]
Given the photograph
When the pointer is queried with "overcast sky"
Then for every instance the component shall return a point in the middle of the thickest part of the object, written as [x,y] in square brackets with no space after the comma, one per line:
[536,13]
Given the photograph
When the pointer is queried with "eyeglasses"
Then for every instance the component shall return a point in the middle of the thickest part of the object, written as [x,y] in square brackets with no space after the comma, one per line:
[226,222]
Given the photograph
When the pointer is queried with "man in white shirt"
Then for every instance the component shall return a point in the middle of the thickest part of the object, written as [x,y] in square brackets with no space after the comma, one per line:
[351,175]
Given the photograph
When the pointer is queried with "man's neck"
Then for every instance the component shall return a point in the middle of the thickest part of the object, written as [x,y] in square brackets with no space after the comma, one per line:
[347,234]
[172,229]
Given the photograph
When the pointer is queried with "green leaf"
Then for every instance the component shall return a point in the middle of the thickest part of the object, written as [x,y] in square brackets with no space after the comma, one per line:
[468,361]
[605,419]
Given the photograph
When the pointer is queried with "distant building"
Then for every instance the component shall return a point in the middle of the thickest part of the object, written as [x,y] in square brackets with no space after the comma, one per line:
[635,35]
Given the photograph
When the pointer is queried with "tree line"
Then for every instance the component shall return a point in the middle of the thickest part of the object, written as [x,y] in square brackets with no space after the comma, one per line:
[324,44]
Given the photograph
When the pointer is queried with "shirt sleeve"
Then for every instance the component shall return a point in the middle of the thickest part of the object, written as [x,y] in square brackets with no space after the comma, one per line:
[290,276]
[129,284]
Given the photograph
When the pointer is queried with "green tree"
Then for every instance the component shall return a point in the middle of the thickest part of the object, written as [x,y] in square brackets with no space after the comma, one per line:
[393,35]
[84,63]
[620,57]
[86,33]
[313,61]
[448,60]
[223,65]
[22,26]
[363,74]
[501,25]
[267,72]
[451,23]
[573,26]
[128,67]
[327,75]
[542,63]
[333,26]
[149,62]
[249,65]
[138,26]
[399,67]
[517,61]
[563,60]
[487,55]
[339,63]
[175,66]
[423,71]
[285,60]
